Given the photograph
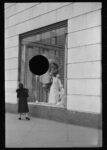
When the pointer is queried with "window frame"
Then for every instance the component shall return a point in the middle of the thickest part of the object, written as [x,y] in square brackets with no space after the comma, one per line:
[39,31]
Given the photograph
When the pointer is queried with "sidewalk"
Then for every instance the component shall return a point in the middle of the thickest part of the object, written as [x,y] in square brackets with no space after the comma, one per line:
[45,133]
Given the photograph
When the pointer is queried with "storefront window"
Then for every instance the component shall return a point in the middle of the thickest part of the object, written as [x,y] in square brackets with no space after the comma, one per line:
[51,44]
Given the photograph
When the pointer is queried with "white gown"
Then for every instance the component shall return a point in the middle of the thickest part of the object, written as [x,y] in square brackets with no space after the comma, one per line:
[62,101]
[54,94]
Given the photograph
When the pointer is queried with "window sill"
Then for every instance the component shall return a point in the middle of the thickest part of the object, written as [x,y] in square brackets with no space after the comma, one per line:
[45,104]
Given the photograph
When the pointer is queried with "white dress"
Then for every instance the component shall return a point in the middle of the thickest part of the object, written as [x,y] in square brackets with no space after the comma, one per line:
[62,101]
[54,94]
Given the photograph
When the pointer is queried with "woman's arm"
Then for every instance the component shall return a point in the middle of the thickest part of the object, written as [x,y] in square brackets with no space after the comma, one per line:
[17,91]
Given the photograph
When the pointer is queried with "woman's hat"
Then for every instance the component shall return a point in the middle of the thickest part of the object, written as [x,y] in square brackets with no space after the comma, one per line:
[20,85]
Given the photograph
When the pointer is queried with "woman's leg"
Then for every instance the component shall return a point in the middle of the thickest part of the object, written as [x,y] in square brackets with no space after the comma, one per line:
[19,116]
[27,116]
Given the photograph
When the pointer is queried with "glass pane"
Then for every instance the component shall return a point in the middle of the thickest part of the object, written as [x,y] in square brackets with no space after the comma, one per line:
[47,44]
[22,79]
[60,40]
[53,33]
[37,38]
[60,31]
[53,40]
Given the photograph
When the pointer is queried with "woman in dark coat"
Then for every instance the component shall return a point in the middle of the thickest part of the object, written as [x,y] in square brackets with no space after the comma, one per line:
[22,94]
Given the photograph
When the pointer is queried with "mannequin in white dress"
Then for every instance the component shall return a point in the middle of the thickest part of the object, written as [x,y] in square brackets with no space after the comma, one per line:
[54,95]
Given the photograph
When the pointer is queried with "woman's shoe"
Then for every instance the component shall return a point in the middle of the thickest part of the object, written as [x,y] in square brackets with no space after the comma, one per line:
[19,118]
[27,118]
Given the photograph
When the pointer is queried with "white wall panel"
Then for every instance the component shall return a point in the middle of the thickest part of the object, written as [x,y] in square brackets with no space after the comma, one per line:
[84,37]
[89,104]
[18,7]
[35,11]
[64,13]
[84,21]
[11,74]
[51,18]
[84,53]
[35,8]
[84,7]
[10,91]
[84,86]
[84,70]
[11,86]
[47,8]
[11,32]
[23,27]
[11,52]
[37,23]
[61,14]
[53,5]
[76,9]
[23,16]
[11,98]
[9,5]
[32,24]
[11,63]
[12,41]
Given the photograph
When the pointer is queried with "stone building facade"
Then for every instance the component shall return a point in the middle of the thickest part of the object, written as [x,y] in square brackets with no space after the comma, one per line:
[82,61]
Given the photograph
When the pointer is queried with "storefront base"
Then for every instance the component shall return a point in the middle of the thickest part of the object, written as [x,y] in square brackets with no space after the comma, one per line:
[61,115]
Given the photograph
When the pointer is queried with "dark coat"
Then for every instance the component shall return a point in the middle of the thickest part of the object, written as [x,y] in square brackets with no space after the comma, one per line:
[22,94]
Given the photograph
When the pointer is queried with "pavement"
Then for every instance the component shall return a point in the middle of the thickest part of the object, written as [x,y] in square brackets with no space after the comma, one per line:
[46,133]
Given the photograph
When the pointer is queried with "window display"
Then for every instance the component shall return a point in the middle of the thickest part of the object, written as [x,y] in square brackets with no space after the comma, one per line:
[50,44]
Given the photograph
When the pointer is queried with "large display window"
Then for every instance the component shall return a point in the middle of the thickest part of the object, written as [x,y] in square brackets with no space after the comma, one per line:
[50,43]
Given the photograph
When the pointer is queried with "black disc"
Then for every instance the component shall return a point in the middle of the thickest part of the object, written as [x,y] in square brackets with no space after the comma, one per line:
[38,65]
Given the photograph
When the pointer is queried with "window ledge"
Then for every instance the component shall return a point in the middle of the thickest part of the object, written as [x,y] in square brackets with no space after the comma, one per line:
[45,104]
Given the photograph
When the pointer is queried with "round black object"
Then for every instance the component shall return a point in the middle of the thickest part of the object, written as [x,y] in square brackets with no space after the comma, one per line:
[38,65]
